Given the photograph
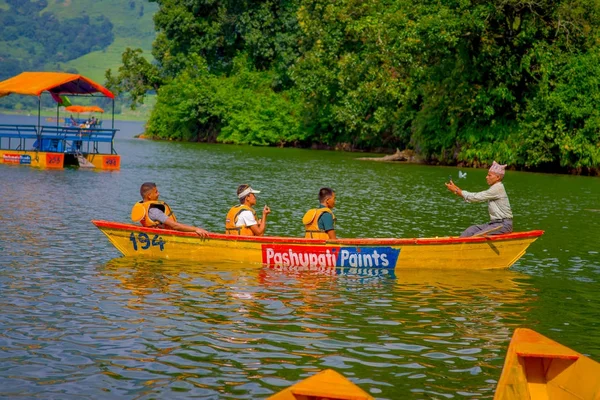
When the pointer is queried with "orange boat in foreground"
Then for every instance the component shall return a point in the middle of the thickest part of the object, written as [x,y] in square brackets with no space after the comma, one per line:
[328,256]
[535,368]
[326,385]
[538,368]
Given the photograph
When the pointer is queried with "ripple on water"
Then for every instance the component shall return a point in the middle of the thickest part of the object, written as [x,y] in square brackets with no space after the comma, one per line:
[76,325]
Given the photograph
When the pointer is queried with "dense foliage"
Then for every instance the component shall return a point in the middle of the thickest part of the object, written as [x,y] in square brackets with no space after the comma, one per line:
[459,81]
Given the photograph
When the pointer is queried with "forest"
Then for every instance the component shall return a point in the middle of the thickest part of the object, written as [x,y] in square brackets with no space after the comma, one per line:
[459,82]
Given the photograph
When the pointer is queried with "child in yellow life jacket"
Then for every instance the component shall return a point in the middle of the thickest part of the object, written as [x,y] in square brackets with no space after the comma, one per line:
[152,213]
[319,223]
[241,218]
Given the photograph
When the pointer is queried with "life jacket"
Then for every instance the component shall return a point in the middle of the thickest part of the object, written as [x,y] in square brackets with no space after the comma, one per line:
[311,223]
[139,212]
[232,217]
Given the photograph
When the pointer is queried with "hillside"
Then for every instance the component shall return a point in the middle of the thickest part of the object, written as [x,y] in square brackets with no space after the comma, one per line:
[82,36]
[66,35]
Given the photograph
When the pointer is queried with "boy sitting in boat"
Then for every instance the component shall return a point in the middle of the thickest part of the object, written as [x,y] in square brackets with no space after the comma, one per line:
[498,205]
[152,213]
[241,219]
[319,223]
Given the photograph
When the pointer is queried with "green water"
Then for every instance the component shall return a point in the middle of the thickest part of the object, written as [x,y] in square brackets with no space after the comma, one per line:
[78,321]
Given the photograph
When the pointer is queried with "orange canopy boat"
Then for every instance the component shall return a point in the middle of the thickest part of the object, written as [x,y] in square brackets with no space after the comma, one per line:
[56,146]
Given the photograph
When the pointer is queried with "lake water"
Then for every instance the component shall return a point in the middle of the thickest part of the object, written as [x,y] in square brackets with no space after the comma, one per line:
[79,321]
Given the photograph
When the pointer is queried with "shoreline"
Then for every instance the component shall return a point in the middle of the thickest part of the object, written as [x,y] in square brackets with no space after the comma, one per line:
[406,156]
[391,155]
[52,114]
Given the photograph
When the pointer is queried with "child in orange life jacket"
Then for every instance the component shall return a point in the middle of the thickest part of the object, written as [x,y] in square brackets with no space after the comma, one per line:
[319,223]
[150,212]
[241,219]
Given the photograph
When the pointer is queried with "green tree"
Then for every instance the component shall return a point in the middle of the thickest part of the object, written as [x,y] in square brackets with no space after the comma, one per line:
[460,81]
[136,77]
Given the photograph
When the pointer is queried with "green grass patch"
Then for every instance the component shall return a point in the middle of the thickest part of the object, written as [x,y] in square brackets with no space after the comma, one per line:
[94,64]
[132,25]
[130,18]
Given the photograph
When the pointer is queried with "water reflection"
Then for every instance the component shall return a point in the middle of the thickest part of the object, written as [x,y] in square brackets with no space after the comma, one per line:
[76,325]
[251,331]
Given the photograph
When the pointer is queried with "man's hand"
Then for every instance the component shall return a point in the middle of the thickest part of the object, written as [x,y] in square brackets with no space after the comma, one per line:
[203,233]
[266,210]
[453,188]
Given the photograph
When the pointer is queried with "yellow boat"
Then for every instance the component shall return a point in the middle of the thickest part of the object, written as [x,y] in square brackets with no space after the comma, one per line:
[300,254]
[326,385]
[537,368]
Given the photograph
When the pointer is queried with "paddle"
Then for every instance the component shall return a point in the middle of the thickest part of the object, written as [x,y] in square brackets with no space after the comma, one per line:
[487,231]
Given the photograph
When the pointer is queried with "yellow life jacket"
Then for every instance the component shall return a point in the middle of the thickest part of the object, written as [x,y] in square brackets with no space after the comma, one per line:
[232,217]
[139,212]
[311,223]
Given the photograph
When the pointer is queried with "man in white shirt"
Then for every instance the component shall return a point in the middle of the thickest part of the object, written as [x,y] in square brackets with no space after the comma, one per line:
[501,217]
[241,219]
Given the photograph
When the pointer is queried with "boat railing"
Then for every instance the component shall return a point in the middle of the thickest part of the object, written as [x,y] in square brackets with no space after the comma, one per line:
[56,138]
[13,137]
[80,139]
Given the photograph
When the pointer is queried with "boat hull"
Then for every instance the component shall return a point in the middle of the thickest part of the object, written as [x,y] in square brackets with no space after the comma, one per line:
[57,160]
[499,251]
[538,368]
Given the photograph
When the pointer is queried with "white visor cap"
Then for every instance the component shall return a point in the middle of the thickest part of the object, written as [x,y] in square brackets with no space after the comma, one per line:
[247,192]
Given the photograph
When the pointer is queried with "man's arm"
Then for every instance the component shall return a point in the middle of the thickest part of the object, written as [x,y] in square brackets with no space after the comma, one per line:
[493,193]
[157,215]
[259,228]
[326,220]
[170,222]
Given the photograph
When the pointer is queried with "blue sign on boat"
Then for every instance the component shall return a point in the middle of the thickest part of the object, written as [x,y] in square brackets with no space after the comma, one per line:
[25,159]
[370,257]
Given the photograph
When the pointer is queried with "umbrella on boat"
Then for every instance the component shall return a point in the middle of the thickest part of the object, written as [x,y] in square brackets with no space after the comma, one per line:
[83,109]
[80,109]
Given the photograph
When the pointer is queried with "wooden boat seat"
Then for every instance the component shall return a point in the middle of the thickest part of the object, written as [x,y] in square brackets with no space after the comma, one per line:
[538,350]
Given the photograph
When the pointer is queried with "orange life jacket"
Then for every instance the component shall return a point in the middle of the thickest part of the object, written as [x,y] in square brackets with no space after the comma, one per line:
[139,212]
[311,223]
[232,217]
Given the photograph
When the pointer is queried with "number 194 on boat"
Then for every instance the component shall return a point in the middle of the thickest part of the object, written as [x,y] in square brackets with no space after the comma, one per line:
[143,241]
